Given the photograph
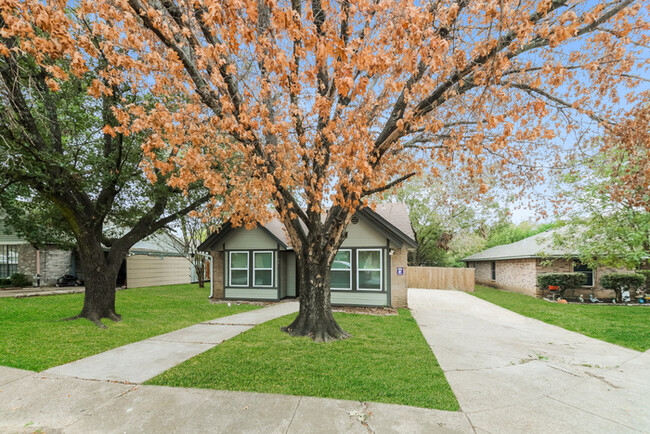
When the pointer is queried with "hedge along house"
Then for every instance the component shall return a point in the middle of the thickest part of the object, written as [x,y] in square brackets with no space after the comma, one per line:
[515,267]
[369,268]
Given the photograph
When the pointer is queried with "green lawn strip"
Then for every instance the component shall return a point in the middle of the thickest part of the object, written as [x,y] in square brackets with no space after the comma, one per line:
[386,360]
[627,326]
[33,336]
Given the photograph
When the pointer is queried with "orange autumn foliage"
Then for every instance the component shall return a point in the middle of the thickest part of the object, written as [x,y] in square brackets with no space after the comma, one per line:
[315,106]
[332,101]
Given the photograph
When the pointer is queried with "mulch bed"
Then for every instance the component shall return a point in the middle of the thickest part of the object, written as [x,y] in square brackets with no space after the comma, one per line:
[379,311]
[603,302]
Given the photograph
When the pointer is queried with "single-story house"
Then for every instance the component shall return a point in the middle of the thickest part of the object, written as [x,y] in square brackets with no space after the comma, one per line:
[369,269]
[515,266]
[152,261]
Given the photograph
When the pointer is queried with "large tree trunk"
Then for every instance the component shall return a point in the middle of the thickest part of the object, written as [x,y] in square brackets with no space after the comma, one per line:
[100,275]
[315,317]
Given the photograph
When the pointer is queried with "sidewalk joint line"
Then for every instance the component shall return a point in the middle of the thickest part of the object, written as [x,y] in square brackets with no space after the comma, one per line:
[593,414]
[293,415]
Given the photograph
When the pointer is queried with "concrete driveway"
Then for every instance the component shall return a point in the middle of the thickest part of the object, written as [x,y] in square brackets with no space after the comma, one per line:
[511,373]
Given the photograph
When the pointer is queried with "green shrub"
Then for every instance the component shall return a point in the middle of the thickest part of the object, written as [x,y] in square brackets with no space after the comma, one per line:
[563,280]
[646,273]
[5,282]
[619,282]
[19,279]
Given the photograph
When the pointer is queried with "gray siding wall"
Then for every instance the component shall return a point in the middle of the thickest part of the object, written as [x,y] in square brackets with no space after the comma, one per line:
[252,293]
[363,234]
[290,278]
[359,298]
[282,269]
[255,239]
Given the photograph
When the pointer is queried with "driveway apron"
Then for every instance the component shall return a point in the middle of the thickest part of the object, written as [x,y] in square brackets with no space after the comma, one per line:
[511,373]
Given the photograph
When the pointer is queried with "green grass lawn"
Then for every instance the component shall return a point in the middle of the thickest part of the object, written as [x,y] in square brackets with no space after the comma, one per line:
[386,360]
[627,326]
[32,335]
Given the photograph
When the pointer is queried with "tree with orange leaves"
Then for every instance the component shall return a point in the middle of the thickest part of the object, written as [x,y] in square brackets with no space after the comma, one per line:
[313,107]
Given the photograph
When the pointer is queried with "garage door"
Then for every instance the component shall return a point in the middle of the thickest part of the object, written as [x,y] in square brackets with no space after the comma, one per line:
[143,270]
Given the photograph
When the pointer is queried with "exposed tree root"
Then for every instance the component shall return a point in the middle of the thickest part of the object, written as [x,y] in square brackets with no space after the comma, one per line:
[97,322]
[96,319]
[115,317]
[324,332]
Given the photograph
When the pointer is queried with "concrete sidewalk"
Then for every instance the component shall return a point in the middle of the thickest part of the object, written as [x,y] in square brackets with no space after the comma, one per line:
[32,402]
[513,374]
[140,361]
[40,291]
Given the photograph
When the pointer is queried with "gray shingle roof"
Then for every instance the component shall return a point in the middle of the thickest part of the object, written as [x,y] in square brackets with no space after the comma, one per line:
[396,214]
[159,242]
[537,246]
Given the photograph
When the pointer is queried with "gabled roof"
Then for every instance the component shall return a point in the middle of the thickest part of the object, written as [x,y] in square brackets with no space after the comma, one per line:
[391,219]
[158,243]
[273,229]
[537,246]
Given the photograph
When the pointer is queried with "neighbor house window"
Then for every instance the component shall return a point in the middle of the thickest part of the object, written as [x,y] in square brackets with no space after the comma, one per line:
[369,269]
[263,268]
[493,268]
[341,273]
[239,268]
[582,268]
[8,261]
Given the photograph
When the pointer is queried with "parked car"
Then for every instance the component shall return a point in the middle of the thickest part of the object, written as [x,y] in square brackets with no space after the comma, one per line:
[68,280]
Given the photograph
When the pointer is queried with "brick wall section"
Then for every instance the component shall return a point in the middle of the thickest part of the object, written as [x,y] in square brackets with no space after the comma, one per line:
[27,260]
[517,275]
[398,284]
[54,263]
[483,272]
[217,275]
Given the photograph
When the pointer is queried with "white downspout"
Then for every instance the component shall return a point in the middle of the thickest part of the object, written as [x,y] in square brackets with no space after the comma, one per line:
[211,276]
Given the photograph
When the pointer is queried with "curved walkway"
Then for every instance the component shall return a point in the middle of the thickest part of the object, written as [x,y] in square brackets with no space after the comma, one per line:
[516,374]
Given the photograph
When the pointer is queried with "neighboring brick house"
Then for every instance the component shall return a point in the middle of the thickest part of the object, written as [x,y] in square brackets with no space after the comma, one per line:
[150,262]
[369,269]
[515,267]
[18,256]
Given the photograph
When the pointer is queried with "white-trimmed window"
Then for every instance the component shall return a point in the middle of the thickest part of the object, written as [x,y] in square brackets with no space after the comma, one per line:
[238,269]
[341,271]
[263,269]
[579,267]
[8,261]
[369,270]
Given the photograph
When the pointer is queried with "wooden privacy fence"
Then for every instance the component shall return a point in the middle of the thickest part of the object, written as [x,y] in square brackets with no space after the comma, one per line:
[461,279]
